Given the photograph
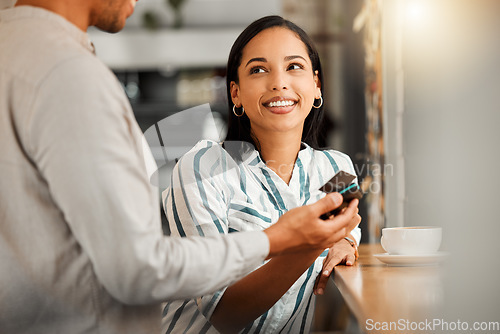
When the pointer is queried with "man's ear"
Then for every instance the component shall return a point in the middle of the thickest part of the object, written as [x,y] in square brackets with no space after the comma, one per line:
[235,93]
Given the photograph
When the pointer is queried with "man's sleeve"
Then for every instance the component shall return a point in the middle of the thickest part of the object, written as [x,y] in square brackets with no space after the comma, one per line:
[83,139]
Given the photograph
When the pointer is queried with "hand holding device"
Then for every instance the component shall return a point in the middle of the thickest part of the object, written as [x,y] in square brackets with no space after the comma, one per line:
[342,183]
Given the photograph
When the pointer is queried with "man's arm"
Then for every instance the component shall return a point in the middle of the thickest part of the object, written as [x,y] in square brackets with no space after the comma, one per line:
[83,140]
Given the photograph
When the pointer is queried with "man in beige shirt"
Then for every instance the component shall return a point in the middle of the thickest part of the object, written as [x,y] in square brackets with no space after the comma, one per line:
[81,246]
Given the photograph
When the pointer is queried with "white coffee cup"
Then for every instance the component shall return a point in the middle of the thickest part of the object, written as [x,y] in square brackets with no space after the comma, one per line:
[417,240]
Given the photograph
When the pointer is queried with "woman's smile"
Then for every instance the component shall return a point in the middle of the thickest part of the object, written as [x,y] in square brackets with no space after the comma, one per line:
[280,104]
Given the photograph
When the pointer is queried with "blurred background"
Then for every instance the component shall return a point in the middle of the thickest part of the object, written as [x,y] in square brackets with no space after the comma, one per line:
[171,56]
[412,94]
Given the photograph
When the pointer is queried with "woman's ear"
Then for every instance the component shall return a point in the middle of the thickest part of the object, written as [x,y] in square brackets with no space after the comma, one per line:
[235,94]
[317,82]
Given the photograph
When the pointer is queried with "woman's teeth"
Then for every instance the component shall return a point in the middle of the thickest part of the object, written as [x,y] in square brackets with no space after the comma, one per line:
[285,103]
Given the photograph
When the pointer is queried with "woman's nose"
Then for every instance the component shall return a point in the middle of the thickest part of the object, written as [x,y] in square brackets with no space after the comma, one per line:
[278,81]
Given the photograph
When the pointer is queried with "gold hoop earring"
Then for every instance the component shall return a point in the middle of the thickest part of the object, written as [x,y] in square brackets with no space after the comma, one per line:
[320,103]
[235,113]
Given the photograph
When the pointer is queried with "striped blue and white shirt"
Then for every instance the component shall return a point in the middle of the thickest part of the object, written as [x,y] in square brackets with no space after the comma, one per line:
[224,190]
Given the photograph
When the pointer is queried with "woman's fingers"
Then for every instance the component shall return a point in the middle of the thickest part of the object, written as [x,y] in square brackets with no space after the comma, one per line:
[350,259]
[322,279]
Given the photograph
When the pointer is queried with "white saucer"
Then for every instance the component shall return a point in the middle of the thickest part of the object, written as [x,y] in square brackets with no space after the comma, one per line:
[412,260]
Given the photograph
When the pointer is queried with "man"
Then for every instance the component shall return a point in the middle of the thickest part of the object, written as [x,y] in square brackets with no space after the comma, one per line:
[81,247]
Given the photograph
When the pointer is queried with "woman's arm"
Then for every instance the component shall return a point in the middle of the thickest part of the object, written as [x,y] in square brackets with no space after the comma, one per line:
[250,297]
[253,295]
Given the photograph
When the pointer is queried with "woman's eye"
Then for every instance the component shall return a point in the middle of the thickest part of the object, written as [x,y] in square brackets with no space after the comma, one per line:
[256,70]
[295,67]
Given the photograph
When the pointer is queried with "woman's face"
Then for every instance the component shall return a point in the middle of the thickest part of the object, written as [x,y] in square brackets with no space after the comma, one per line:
[277,86]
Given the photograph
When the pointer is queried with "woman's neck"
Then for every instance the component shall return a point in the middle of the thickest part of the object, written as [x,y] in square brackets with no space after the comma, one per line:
[280,153]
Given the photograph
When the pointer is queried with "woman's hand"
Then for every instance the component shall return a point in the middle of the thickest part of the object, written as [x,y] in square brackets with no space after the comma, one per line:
[342,252]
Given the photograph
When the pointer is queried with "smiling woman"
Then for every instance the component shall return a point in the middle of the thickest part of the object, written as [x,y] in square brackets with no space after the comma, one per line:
[276,88]
[267,165]
[239,127]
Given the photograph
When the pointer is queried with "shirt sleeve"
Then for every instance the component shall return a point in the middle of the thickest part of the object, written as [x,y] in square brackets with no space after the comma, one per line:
[196,203]
[85,143]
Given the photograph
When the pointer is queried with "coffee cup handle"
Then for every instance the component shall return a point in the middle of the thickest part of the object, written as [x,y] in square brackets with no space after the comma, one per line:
[382,243]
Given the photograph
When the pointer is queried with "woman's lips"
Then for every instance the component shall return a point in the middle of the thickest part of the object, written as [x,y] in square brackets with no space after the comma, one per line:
[280,105]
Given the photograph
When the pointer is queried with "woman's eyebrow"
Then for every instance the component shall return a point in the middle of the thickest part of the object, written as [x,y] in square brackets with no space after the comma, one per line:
[288,58]
[264,60]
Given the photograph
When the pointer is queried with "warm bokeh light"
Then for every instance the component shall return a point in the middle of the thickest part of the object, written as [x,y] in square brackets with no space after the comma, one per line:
[418,11]
[415,9]
[442,66]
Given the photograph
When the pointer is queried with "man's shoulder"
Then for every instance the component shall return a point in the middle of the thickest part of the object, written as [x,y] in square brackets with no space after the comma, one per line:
[39,49]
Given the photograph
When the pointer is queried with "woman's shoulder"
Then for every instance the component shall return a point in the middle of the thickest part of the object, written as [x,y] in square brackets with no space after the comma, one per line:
[205,146]
[334,154]
[206,156]
[339,160]
[203,150]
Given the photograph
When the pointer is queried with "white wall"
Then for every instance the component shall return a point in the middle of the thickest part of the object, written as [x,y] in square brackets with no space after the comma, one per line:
[442,82]
[206,13]
[200,12]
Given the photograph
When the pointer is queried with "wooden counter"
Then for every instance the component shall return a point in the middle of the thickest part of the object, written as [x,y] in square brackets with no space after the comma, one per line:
[378,294]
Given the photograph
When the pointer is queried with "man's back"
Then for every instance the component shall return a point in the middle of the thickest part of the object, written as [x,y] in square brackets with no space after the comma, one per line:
[47,282]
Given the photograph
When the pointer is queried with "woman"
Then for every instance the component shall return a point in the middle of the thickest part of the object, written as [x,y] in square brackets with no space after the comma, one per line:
[265,167]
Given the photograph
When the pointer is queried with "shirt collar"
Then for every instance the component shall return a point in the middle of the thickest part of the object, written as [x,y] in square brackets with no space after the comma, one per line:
[25,12]
[251,156]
